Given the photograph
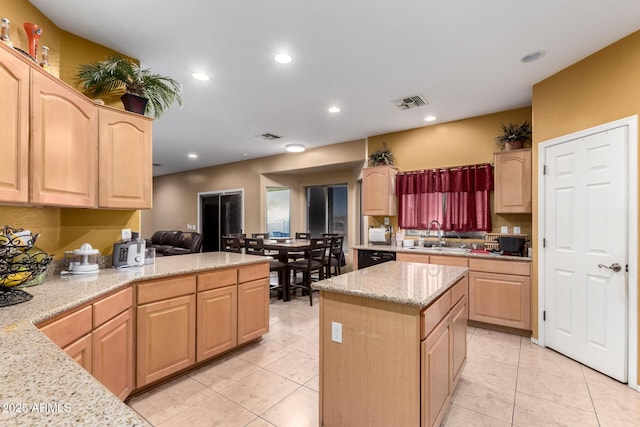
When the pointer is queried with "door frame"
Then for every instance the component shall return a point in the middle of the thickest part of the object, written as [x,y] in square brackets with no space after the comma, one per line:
[202,194]
[632,227]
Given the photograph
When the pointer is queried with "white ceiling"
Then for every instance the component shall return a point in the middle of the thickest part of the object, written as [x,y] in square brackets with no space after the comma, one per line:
[462,55]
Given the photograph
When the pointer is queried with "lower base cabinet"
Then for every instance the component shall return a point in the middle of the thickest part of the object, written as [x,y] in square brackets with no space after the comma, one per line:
[217,322]
[435,355]
[99,337]
[253,313]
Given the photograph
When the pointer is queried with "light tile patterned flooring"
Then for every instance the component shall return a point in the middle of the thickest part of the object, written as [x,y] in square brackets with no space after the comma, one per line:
[508,381]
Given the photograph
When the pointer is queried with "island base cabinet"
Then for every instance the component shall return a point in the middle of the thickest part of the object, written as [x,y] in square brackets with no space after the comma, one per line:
[436,373]
[113,354]
[166,338]
[458,340]
[217,325]
[253,310]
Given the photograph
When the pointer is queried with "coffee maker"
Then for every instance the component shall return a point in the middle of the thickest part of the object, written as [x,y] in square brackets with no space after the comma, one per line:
[129,253]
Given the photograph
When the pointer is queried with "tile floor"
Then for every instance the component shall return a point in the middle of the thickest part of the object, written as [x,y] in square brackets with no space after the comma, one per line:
[507,382]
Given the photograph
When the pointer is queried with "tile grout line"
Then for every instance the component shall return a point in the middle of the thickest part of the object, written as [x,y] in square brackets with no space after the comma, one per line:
[515,390]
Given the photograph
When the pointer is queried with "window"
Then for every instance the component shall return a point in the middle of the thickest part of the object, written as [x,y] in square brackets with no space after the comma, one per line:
[327,209]
[278,211]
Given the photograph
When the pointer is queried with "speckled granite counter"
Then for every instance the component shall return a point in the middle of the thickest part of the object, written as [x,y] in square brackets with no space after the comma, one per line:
[436,251]
[40,384]
[405,283]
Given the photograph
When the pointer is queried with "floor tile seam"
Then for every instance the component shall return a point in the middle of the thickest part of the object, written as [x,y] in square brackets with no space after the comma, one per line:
[556,402]
[291,350]
[541,370]
[287,378]
[479,413]
[139,414]
[515,391]
[260,368]
[192,405]
[283,398]
[233,383]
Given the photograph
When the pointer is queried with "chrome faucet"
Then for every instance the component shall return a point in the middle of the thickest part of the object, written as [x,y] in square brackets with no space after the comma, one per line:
[439,227]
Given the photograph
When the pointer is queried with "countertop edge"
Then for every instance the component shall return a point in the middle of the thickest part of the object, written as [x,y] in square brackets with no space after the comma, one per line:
[428,251]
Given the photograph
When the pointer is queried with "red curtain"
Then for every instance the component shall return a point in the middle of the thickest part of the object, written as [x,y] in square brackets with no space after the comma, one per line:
[464,207]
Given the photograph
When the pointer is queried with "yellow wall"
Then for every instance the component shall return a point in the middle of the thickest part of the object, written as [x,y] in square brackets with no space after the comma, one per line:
[599,89]
[462,142]
[63,229]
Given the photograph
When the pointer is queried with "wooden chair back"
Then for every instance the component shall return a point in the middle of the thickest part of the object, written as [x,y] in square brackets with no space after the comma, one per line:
[231,244]
[253,246]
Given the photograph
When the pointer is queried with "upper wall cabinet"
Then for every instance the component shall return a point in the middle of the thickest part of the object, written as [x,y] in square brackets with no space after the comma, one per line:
[14,128]
[64,144]
[379,191]
[512,192]
[125,159]
[50,139]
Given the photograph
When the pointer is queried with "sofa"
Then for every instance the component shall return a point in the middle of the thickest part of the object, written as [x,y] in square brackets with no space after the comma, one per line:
[169,243]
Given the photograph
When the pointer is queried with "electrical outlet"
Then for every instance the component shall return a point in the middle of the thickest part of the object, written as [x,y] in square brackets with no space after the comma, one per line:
[125,234]
[386,220]
[336,332]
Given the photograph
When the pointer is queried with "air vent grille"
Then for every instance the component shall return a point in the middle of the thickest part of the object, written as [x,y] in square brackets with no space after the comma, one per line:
[410,102]
[269,136]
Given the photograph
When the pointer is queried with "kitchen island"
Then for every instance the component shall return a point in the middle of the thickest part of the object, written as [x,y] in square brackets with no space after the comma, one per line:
[392,344]
[40,384]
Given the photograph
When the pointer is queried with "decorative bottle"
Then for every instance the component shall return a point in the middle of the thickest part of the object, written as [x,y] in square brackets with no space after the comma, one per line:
[45,59]
[4,34]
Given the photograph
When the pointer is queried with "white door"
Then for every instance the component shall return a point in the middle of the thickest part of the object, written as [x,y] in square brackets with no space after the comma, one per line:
[586,299]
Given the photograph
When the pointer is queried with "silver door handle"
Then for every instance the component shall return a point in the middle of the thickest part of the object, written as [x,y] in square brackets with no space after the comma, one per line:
[615,266]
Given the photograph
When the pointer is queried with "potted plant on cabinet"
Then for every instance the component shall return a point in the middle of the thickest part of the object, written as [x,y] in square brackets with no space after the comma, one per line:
[514,136]
[381,157]
[145,92]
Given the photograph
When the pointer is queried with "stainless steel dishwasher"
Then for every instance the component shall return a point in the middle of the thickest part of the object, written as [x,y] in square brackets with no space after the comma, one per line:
[368,257]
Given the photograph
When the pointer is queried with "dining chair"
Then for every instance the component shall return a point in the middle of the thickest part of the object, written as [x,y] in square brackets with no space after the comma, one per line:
[260,235]
[314,261]
[231,244]
[255,246]
[336,255]
[294,256]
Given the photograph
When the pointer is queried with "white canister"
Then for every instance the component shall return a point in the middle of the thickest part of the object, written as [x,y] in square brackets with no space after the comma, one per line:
[407,242]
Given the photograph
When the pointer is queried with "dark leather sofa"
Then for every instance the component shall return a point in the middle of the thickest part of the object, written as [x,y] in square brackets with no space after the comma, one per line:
[175,242]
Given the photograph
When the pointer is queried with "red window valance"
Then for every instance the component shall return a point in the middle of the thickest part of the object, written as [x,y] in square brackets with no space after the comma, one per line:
[456,197]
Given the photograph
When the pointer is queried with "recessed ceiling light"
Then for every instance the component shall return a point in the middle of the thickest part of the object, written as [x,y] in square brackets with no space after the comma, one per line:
[533,56]
[295,148]
[200,76]
[192,156]
[283,58]
[429,118]
[334,109]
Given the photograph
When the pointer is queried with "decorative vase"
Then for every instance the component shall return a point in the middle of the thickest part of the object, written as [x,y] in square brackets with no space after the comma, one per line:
[34,32]
[514,145]
[134,103]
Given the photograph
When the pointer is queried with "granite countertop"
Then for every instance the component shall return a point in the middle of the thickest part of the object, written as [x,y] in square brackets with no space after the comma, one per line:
[40,384]
[406,283]
[446,251]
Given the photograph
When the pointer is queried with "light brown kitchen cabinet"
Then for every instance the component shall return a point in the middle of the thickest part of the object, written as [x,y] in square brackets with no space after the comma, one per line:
[500,293]
[113,354]
[458,340]
[217,321]
[64,144]
[14,128]
[435,355]
[379,191]
[166,327]
[253,303]
[124,159]
[99,336]
[512,181]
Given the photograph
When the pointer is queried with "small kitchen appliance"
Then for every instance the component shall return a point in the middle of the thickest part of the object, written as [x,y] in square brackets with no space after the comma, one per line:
[82,261]
[129,253]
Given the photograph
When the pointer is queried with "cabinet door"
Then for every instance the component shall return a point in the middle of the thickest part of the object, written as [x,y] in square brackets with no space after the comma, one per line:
[166,338]
[80,351]
[124,160]
[500,299]
[378,191]
[512,179]
[253,310]
[64,144]
[217,323]
[68,328]
[435,372]
[458,341]
[412,257]
[113,354]
[14,128]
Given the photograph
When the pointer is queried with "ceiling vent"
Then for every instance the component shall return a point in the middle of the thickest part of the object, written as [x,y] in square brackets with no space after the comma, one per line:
[410,102]
[269,136]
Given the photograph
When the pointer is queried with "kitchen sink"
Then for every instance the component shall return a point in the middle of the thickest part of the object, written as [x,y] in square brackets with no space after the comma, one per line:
[440,249]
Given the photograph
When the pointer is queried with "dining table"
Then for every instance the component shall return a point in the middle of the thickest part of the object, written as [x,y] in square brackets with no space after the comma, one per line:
[284,246]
